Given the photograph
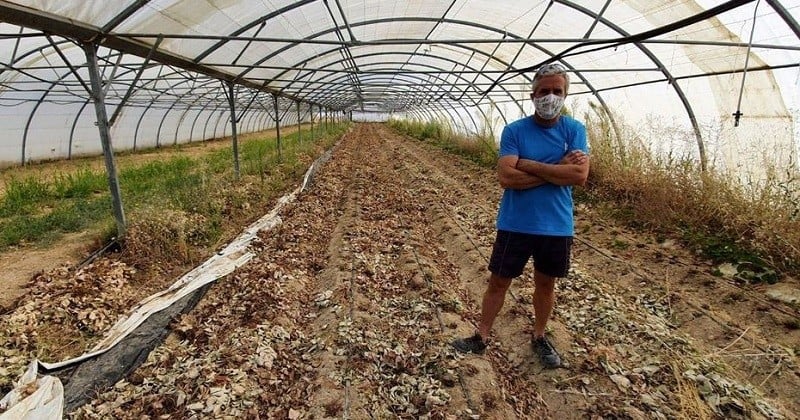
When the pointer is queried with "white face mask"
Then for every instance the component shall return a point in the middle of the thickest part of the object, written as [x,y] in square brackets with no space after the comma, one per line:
[548,106]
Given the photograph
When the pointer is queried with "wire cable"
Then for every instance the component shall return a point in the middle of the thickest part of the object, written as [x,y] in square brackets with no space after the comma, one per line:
[738,114]
[613,43]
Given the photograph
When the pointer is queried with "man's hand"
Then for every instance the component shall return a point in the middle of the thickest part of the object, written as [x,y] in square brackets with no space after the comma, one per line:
[511,177]
[573,169]
[575,157]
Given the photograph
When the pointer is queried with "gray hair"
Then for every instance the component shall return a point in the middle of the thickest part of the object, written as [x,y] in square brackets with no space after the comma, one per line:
[549,70]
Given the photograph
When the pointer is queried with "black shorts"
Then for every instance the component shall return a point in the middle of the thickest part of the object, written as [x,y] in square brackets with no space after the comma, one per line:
[512,250]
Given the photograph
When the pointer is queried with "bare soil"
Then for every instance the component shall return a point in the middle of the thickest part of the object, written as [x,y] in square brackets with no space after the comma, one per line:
[19,265]
[348,309]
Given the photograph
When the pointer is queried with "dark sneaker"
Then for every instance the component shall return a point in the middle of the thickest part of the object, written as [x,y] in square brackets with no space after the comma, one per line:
[472,344]
[547,353]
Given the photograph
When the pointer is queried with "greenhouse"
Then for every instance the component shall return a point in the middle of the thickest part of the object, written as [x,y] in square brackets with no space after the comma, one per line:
[275,209]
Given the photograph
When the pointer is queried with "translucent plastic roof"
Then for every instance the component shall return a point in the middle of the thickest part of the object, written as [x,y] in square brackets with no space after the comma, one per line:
[167,66]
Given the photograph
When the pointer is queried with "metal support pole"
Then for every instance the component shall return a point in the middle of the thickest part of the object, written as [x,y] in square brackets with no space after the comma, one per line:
[105,135]
[277,126]
[311,113]
[232,102]
[299,138]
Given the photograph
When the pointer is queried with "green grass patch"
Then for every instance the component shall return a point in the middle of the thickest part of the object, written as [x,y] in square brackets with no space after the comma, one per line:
[37,211]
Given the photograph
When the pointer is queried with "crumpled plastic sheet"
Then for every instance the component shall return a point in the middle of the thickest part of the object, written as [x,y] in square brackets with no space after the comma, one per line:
[47,401]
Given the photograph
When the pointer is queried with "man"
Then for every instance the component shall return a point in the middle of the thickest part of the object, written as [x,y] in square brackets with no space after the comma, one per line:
[541,158]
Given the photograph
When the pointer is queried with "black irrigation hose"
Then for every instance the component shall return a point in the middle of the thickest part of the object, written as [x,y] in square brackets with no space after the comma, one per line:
[113,244]
[613,43]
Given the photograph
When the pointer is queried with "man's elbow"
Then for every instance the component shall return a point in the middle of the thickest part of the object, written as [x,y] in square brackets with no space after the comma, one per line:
[504,181]
[581,178]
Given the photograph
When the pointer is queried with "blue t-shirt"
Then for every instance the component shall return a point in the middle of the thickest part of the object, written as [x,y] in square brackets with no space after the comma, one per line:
[546,209]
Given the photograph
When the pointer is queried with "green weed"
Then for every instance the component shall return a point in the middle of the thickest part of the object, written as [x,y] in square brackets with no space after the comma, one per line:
[37,211]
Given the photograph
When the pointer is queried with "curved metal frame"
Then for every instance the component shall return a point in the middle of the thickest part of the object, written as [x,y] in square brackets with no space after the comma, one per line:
[130,10]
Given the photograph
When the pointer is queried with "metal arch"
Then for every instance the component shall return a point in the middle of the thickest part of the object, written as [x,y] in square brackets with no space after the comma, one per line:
[216,124]
[376,77]
[165,92]
[406,97]
[161,124]
[179,124]
[129,92]
[252,24]
[194,122]
[490,29]
[251,116]
[34,51]
[290,45]
[444,15]
[248,121]
[431,117]
[596,18]
[475,104]
[416,64]
[772,3]
[657,62]
[179,100]
[74,125]
[252,120]
[33,113]
[68,64]
[190,107]
[258,124]
[211,115]
[53,84]
[345,49]
[785,15]
[394,75]
[501,111]
[147,108]
[128,12]
[445,107]
[449,116]
[258,115]
[61,26]
[264,120]
[401,53]
[426,114]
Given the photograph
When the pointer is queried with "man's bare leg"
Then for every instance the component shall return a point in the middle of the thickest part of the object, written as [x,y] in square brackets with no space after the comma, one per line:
[493,299]
[543,301]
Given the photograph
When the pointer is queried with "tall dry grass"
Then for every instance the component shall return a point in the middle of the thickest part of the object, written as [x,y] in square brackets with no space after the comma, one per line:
[480,149]
[756,225]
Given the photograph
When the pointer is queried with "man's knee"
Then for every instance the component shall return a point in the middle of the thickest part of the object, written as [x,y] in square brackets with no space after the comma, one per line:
[498,284]
[543,281]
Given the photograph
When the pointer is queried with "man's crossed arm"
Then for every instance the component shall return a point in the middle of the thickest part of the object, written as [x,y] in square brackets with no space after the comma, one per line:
[520,174]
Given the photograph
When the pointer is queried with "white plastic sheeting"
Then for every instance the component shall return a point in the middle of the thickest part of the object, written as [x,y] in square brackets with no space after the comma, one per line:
[432,59]
[42,398]
[34,398]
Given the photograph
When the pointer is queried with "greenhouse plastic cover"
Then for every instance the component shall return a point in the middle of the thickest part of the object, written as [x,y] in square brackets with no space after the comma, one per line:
[166,66]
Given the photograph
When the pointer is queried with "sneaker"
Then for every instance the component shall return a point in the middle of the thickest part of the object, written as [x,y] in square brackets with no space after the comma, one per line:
[472,344]
[547,353]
